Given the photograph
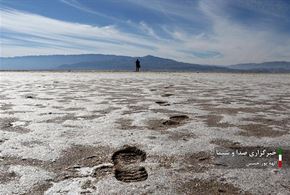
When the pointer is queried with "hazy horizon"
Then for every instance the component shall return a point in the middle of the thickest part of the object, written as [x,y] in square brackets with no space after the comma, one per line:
[47,55]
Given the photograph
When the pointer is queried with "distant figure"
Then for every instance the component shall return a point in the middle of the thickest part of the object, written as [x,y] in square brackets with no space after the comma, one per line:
[138,66]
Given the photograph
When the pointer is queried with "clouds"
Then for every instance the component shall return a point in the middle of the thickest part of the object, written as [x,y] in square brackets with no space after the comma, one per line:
[30,34]
[242,44]
[202,31]
[38,31]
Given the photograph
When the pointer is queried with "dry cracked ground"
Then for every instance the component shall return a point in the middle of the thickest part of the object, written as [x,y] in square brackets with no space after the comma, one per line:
[140,133]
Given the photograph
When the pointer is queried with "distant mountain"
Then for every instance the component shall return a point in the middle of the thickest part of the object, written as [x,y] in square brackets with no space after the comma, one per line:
[279,66]
[148,63]
[100,62]
[48,62]
[127,63]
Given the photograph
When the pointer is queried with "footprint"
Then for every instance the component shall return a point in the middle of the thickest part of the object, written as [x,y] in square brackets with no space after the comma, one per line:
[170,123]
[131,174]
[179,118]
[175,120]
[129,155]
[167,95]
[29,96]
[169,86]
[162,103]
[126,164]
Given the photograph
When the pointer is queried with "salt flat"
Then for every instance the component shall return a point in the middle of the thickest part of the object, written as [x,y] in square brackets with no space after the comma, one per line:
[139,133]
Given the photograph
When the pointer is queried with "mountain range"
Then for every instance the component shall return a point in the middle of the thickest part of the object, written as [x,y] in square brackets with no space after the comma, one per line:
[127,63]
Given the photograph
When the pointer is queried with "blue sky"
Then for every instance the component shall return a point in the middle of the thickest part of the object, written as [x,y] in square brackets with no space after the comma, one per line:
[196,31]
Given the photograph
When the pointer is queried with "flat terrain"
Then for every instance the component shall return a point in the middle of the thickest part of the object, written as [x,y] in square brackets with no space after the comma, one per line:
[141,133]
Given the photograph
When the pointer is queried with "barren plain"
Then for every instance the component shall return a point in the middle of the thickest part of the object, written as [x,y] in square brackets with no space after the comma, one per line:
[140,133]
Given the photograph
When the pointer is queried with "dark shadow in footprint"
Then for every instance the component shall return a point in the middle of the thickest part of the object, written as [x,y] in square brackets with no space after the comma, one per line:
[131,174]
[169,86]
[163,124]
[128,155]
[29,97]
[167,95]
[170,123]
[175,120]
[179,118]
[162,103]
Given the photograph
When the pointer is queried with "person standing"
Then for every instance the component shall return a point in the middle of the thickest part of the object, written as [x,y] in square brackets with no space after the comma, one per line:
[138,66]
